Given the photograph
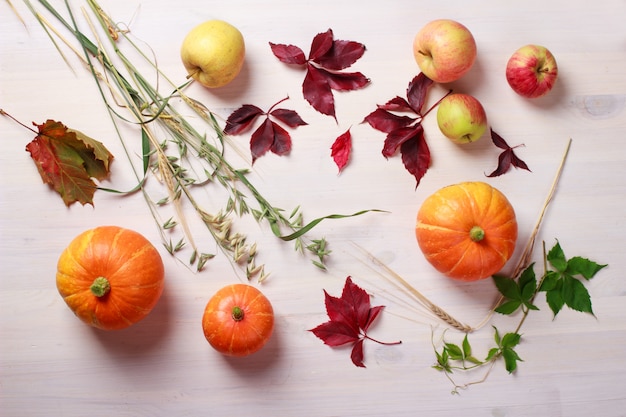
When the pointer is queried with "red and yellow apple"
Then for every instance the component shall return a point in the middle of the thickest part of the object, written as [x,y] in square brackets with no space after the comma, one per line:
[444,50]
[461,118]
[531,71]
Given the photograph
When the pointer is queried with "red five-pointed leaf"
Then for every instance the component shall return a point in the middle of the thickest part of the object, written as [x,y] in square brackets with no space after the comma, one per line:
[350,316]
[507,157]
[326,58]
[269,136]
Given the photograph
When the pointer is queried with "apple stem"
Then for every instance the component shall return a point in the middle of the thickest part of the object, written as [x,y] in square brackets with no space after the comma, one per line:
[192,73]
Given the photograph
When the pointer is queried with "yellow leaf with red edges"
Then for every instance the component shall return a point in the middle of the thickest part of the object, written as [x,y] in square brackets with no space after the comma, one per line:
[69,161]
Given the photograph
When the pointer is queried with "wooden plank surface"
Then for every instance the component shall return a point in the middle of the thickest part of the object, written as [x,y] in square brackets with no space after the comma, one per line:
[53,365]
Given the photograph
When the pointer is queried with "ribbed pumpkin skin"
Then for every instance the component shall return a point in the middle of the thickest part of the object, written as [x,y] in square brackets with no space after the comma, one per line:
[233,337]
[127,260]
[443,229]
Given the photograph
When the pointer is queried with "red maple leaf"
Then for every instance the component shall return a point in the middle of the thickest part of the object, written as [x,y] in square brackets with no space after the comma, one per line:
[341,148]
[405,133]
[269,136]
[350,315]
[507,157]
[327,58]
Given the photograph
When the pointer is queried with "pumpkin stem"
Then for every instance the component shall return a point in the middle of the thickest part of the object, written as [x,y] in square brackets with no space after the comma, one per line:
[477,234]
[237,313]
[100,287]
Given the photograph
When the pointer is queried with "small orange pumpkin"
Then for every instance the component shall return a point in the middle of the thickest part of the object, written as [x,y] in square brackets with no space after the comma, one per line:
[467,231]
[110,277]
[238,320]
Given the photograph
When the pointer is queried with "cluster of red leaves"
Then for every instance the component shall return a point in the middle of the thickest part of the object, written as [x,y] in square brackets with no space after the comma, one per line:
[67,160]
[507,157]
[405,133]
[269,136]
[351,315]
[327,58]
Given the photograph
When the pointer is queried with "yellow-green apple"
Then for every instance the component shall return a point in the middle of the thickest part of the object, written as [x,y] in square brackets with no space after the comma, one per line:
[532,71]
[461,118]
[213,53]
[444,50]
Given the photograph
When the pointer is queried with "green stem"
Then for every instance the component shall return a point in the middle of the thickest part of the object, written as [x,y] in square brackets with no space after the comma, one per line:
[477,234]
[100,287]
[237,313]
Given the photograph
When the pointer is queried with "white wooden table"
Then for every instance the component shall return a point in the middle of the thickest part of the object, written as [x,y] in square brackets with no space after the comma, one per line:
[53,365]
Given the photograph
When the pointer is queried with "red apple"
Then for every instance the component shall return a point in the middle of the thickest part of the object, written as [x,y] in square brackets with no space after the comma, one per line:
[531,71]
[444,50]
[461,118]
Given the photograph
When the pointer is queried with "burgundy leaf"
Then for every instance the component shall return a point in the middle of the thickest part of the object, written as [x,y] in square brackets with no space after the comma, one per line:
[507,157]
[317,92]
[321,44]
[342,55]
[344,81]
[289,54]
[241,119]
[341,148]
[416,92]
[282,141]
[359,300]
[288,117]
[350,317]
[396,104]
[357,355]
[373,314]
[499,140]
[416,156]
[397,137]
[387,122]
[262,139]
[334,333]
[339,310]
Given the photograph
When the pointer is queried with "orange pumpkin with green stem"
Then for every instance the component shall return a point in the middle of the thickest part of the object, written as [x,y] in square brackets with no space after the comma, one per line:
[110,277]
[238,320]
[467,231]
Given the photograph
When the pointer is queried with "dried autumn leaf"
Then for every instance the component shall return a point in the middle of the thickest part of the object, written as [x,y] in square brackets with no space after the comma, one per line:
[327,57]
[68,161]
[507,157]
[341,149]
[351,315]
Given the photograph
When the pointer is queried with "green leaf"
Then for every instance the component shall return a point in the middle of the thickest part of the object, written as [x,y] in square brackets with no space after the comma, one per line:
[496,336]
[528,283]
[575,295]
[555,299]
[550,281]
[508,307]
[510,359]
[493,352]
[467,348]
[530,306]
[510,340]
[557,259]
[507,287]
[454,351]
[582,266]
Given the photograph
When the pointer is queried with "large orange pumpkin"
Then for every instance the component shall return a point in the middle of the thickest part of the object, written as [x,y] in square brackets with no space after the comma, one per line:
[467,231]
[238,320]
[110,277]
